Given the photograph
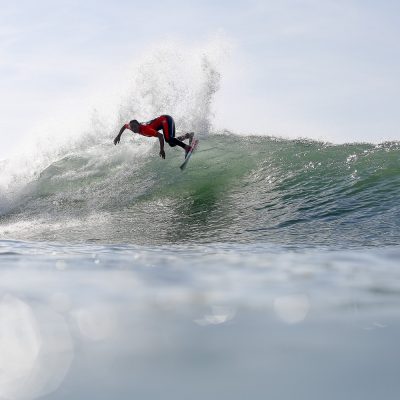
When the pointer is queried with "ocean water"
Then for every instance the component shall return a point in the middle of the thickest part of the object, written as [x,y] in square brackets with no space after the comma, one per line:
[262,190]
[269,268]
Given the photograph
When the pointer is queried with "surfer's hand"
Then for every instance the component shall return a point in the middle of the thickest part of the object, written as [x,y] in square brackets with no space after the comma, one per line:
[117,139]
[162,154]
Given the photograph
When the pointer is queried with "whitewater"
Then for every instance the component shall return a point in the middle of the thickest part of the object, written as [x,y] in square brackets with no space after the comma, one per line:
[267,261]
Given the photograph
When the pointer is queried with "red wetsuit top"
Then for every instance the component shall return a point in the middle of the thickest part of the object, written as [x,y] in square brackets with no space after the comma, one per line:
[151,128]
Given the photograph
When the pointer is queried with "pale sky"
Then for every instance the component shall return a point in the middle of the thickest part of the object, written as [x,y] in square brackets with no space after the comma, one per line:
[321,69]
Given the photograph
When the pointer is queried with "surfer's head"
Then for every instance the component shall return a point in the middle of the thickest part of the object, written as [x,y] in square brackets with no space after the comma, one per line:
[134,126]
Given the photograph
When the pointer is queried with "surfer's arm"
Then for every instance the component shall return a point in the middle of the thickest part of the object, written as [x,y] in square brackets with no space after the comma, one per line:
[118,137]
[161,139]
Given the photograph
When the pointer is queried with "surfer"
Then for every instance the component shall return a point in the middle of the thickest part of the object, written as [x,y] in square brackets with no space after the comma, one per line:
[152,128]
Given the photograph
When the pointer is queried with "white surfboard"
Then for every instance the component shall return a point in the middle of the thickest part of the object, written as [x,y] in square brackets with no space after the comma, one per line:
[194,146]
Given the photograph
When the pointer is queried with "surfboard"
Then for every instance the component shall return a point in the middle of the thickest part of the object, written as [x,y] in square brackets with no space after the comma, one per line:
[194,146]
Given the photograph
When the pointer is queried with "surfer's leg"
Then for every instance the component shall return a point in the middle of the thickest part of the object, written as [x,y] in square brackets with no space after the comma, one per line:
[168,128]
[188,135]
[176,142]
[169,135]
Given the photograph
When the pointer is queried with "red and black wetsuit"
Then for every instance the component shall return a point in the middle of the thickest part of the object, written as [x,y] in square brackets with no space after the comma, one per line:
[166,124]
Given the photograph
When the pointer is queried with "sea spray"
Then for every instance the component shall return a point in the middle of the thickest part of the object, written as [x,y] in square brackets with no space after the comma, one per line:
[169,78]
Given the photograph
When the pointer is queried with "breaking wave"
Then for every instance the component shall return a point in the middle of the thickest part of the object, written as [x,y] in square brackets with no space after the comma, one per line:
[236,189]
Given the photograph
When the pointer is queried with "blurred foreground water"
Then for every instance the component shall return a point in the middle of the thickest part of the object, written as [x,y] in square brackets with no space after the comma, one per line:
[222,321]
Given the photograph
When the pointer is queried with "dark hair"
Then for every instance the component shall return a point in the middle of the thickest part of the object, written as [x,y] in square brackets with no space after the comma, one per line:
[134,121]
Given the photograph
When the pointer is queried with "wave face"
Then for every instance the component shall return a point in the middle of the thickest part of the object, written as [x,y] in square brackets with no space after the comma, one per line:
[236,189]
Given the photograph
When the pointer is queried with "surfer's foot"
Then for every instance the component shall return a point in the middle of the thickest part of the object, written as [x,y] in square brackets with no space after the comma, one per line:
[189,135]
